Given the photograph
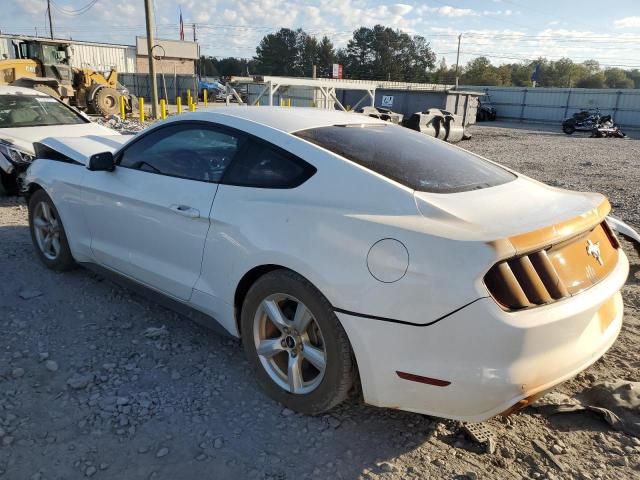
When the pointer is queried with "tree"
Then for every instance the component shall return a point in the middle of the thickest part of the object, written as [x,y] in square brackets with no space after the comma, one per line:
[207,67]
[634,75]
[359,55]
[326,57]
[594,80]
[279,53]
[480,72]
[231,66]
[381,53]
[617,78]
[443,74]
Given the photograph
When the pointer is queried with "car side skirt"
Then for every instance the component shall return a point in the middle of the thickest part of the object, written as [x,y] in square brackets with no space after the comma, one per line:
[160,298]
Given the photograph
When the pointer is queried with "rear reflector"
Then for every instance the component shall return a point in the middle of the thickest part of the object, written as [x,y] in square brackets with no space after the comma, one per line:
[420,379]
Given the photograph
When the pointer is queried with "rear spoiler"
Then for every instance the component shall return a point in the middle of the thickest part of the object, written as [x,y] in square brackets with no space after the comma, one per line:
[78,149]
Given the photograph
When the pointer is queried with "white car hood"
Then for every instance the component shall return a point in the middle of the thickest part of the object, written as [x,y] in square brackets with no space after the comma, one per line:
[80,149]
[514,208]
[24,137]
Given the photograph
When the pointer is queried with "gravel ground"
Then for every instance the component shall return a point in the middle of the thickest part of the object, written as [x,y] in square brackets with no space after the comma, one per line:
[98,382]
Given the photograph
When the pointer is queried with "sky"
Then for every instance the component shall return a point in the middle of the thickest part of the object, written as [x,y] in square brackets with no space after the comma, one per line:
[506,31]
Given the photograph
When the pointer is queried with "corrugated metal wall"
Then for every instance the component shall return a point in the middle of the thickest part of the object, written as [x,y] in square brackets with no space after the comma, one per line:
[103,57]
[139,85]
[552,105]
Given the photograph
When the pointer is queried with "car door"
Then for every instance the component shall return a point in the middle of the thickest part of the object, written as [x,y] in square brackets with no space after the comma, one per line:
[256,205]
[149,218]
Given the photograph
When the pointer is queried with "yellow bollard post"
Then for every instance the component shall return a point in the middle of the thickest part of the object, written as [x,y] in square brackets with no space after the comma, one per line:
[123,110]
[205,97]
[192,107]
[141,109]
[163,108]
[289,101]
[189,96]
[258,103]
[179,104]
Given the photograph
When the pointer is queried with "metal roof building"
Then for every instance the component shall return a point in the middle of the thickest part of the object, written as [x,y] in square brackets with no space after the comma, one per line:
[99,56]
[172,56]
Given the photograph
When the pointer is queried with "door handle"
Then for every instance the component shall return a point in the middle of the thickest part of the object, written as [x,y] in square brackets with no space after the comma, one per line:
[185,211]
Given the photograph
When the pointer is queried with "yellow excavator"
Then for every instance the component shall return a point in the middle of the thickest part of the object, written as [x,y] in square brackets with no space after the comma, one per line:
[45,66]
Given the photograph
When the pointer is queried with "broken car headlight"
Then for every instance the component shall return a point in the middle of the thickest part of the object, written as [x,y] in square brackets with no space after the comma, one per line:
[16,155]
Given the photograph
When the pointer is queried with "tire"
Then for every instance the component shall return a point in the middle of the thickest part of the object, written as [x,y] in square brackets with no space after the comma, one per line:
[317,391]
[568,129]
[9,183]
[106,101]
[52,92]
[59,259]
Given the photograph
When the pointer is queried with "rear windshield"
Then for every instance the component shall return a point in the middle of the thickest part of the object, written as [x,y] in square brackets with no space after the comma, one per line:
[35,111]
[411,158]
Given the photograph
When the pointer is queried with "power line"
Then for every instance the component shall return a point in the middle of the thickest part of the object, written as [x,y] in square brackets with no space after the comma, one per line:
[74,13]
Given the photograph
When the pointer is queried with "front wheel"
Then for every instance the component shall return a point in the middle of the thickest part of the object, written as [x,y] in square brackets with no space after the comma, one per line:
[47,233]
[293,340]
[106,101]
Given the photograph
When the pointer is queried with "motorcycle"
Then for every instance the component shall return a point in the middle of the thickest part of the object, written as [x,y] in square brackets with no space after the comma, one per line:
[587,121]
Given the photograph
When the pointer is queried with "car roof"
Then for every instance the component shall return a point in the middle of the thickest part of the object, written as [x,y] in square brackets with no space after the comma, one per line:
[290,119]
[10,90]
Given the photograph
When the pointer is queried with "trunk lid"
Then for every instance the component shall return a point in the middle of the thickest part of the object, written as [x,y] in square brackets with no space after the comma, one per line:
[524,211]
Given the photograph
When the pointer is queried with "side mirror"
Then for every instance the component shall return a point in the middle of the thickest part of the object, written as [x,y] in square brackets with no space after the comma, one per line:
[102,162]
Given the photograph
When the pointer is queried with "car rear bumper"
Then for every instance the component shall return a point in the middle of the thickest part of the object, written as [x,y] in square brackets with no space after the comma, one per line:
[493,359]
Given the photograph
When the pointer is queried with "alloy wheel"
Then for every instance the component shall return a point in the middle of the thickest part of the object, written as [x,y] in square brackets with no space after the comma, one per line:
[47,230]
[289,343]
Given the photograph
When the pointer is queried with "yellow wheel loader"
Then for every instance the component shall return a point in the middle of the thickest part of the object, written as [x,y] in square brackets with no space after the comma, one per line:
[46,67]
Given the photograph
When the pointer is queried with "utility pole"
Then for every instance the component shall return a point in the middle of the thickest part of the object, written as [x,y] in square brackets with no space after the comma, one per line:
[148,10]
[458,60]
[195,40]
[49,14]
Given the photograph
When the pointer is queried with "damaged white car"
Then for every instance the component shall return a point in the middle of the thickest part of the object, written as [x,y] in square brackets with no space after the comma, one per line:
[28,116]
[349,254]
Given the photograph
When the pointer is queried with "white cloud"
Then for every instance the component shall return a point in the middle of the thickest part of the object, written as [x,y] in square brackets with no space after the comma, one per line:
[627,22]
[401,9]
[449,11]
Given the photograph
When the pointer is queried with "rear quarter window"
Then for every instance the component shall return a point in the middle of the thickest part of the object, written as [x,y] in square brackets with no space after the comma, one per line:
[411,158]
[262,165]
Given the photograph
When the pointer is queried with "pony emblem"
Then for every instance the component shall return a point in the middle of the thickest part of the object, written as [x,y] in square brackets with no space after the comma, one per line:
[593,250]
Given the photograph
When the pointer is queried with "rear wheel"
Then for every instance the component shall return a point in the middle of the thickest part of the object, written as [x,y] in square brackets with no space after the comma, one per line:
[299,351]
[47,233]
[106,101]
[568,128]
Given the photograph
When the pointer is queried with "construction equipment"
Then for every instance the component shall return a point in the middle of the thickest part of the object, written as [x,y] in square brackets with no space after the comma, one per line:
[45,66]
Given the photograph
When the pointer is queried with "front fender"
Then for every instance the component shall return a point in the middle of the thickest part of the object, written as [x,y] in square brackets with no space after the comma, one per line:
[62,181]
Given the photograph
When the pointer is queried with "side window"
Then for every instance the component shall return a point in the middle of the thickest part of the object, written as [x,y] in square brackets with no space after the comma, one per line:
[261,165]
[192,151]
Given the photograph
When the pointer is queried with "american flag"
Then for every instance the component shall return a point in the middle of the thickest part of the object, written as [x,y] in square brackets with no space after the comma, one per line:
[181,26]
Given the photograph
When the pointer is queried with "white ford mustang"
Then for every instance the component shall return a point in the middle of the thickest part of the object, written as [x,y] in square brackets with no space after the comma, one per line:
[347,253]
